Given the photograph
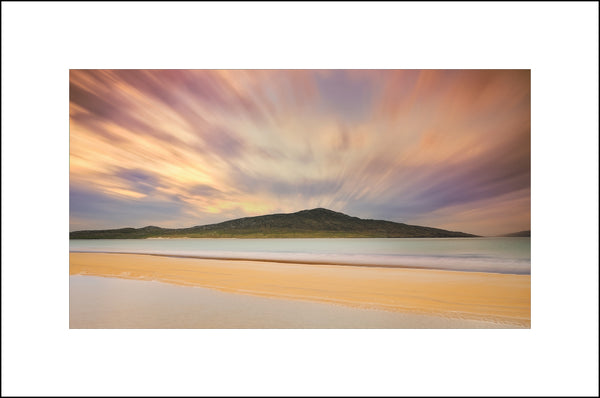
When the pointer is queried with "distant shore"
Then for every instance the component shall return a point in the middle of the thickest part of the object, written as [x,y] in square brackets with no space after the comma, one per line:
[500,298]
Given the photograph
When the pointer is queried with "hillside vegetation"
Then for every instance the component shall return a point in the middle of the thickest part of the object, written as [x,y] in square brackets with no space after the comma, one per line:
[315,223]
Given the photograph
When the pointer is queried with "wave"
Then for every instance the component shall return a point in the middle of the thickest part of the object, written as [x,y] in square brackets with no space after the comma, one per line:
[468,263]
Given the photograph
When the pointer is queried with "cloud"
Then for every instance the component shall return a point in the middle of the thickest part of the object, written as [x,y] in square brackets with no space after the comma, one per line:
[223,142]
[107,211]
[347,96]
[205,191]
[399,145]
[139,180]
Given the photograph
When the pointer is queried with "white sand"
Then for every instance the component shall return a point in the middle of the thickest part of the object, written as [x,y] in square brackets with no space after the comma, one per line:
[115,303]
[497,298]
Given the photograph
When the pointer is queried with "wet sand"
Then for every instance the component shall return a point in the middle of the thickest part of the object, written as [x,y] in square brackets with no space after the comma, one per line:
[501,299]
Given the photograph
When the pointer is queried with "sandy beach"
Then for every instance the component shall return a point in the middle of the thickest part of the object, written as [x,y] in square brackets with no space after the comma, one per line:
[499,298]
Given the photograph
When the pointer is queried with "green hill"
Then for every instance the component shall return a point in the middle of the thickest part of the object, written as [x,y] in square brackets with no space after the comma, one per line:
[315,223]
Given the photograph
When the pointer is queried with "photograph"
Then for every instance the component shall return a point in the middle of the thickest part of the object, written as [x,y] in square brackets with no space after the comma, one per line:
[299,198]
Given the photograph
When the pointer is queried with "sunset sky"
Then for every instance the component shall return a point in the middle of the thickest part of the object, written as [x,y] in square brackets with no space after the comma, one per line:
[178,148]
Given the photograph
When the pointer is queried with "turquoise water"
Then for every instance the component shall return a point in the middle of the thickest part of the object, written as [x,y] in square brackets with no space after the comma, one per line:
[499,255]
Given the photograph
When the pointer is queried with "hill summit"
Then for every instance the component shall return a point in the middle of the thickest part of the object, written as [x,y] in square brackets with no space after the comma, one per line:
[315,223]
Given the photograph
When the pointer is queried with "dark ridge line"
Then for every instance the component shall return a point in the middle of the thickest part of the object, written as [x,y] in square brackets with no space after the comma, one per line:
[301,222]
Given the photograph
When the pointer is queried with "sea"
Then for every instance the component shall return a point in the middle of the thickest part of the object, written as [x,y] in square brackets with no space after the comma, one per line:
[495,254]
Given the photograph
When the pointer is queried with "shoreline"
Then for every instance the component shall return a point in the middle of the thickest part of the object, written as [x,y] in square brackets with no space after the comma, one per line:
[500,298]
[292,261]
[140,304]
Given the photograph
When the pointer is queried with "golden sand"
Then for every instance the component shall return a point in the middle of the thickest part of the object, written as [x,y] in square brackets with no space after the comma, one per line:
[470,295]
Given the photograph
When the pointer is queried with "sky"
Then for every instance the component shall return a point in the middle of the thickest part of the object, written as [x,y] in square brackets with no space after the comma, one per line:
[448,149]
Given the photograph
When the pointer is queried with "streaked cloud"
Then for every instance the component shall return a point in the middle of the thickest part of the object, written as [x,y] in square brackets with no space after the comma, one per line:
[443,148]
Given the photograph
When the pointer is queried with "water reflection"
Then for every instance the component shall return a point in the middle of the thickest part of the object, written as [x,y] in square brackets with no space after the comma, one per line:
[97,302]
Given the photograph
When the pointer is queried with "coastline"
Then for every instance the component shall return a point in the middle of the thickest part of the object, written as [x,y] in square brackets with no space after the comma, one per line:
[280,260]
[499,298]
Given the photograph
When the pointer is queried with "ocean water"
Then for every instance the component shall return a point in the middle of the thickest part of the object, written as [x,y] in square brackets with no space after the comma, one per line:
[498,255]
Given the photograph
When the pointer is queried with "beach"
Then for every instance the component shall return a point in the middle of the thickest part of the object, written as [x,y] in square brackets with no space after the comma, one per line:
[462,299]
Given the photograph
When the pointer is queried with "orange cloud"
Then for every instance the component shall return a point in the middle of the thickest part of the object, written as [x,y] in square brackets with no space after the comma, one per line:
[401,145]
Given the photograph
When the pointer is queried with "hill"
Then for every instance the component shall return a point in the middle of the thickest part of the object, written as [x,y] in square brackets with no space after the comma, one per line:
[520,234]
[315,223]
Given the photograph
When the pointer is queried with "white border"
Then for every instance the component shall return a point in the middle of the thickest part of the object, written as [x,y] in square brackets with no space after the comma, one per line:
[41,41]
